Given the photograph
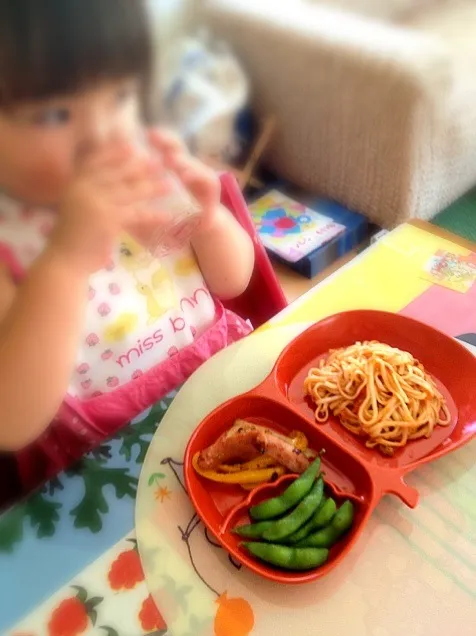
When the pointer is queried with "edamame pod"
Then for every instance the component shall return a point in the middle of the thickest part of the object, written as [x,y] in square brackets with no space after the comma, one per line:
[283,556]
[294,520]
[326,537]
[293,494]
[253,530]
[321,518]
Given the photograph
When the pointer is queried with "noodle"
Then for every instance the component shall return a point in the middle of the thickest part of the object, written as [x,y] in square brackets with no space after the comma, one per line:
[378,392]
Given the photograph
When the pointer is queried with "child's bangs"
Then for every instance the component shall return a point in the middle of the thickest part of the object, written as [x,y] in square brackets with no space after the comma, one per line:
[56,47]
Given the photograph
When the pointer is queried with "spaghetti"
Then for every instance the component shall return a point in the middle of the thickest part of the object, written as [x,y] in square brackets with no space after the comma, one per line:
[378,392]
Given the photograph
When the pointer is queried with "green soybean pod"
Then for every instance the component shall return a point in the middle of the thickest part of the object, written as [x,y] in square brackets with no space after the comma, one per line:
[321,518]
[253,530]
[326,537]
[296,518]
[287,558]
[325,514]
[293,494]
[344,517]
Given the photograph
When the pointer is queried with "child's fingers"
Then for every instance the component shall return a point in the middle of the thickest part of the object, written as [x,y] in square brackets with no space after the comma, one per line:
[186,163]
[196,176]
[167,143]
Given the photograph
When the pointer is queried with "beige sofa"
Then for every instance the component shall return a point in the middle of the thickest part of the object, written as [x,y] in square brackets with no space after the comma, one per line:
[375,99]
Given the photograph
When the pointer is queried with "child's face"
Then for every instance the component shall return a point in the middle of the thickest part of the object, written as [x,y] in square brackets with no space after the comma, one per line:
[40,142]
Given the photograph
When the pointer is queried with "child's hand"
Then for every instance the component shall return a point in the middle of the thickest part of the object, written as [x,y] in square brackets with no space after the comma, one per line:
[202,182]
[107,196]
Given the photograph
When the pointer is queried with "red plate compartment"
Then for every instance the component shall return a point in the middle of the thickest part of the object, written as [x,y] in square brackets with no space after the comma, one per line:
[351,469]
[451,365]
[222,506]
[239,516]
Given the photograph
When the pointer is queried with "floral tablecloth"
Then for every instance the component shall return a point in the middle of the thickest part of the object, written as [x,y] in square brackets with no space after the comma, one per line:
[68,556]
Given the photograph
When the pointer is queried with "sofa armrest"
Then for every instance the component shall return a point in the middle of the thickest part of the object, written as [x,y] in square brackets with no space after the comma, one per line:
[309,25]
[351,96]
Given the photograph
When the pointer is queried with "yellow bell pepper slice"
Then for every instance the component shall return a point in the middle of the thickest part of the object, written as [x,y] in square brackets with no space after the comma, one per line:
[299,440]
[243,477]
[264,461]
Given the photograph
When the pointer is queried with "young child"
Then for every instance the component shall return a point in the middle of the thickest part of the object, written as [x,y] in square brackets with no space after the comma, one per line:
[93,328]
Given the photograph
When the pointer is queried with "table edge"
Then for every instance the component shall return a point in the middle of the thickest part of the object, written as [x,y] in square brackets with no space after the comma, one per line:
[427,226]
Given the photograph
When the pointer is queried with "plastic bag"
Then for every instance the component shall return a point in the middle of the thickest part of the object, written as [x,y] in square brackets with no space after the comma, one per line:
[205,97]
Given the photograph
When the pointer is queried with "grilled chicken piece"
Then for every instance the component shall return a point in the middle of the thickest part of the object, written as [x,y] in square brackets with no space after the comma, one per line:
[285,453]
[246,441]
[240,444]
[282,449]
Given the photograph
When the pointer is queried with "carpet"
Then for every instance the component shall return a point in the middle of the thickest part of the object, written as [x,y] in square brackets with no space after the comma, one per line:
[460,217]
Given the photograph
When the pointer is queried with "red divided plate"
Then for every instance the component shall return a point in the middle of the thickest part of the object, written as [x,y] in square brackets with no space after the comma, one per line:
[351,469]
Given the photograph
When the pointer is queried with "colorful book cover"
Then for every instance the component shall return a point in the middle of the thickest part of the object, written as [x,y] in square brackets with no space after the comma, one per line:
[290,229]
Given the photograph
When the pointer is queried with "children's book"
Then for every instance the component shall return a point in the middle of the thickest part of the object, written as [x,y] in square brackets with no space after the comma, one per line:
[290,229]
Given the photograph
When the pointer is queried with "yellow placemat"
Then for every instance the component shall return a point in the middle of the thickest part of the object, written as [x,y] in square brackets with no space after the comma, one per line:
[411,572]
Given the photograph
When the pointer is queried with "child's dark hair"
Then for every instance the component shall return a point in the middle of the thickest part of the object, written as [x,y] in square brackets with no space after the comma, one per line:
[55,47]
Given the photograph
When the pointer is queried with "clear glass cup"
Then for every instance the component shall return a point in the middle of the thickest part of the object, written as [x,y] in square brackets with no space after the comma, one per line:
[178,214]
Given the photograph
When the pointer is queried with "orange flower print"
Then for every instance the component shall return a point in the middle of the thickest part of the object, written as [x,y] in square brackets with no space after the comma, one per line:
[73,615]
[126,571]
[150,618]
[162,493]
[234,617]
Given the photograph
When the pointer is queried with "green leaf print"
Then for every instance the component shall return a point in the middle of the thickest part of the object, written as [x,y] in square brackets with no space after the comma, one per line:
[139,434]
[196,626]
[159,409]
[129,442]
[11,528]
[101,453]
[52,486]
[43,514]
[93,616]
[88,513]
[178,593]
[155,478]
[109,631]
[81,593]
